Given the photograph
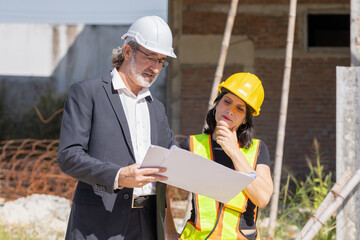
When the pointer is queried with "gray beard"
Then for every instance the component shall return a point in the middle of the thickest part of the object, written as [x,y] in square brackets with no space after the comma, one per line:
[138,77]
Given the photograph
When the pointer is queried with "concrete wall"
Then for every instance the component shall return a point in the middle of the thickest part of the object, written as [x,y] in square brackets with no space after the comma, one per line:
[258,45]
[38,57]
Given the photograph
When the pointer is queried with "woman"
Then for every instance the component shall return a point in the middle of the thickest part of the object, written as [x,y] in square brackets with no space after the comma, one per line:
[230,139]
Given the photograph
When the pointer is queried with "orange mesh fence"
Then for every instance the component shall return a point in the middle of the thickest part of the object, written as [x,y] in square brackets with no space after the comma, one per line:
[29,166]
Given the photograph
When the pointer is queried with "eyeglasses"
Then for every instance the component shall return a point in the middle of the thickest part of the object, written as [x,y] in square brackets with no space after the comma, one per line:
[153,59]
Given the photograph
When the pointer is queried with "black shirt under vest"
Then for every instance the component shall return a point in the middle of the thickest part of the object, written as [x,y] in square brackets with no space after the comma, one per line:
[248,218]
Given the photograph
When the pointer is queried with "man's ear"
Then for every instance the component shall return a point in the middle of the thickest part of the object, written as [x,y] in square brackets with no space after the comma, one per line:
[128,52]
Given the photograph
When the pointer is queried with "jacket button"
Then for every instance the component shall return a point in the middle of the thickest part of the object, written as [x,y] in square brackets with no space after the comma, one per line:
[126,196]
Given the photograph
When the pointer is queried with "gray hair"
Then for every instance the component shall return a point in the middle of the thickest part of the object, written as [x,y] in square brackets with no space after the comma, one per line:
[118,54]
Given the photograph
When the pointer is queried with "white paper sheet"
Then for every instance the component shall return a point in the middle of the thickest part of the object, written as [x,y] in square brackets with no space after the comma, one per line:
[197,174]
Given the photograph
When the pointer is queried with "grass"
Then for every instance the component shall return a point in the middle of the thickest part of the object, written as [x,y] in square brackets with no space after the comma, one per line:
[18,233]
[301,198]
[29,232]
[24,122]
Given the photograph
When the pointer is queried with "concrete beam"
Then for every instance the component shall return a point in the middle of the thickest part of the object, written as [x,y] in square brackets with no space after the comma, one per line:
[270,9]
[205,49]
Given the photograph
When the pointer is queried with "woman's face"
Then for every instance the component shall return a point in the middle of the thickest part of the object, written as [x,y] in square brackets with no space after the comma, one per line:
[232,110]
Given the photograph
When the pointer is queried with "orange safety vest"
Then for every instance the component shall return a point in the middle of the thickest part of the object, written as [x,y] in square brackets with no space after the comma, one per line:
[215,220]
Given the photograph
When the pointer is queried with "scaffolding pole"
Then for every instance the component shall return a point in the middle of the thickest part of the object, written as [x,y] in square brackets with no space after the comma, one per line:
[282,118]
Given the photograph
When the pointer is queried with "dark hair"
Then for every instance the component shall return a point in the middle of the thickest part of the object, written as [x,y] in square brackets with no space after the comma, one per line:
[245,132]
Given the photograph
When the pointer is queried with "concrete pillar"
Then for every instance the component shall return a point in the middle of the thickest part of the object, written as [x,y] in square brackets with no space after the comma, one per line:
[348,147]
[173,78]
[355,33]
[60,49]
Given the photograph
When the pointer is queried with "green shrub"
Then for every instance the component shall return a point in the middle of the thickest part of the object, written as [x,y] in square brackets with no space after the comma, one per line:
[301,198]
[27,124]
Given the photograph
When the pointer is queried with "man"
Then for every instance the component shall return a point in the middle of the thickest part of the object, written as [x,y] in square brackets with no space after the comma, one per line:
[107,127]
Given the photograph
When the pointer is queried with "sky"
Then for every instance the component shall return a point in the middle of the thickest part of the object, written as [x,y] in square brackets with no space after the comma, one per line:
[80,11]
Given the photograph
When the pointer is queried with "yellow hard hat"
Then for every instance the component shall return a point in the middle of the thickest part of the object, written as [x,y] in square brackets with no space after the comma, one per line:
[246,86]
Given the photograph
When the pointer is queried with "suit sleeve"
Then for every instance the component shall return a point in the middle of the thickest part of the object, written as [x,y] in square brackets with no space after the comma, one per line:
[75,131]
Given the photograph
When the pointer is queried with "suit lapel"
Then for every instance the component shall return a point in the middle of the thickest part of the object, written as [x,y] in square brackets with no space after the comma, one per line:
[153,126]
[114,99]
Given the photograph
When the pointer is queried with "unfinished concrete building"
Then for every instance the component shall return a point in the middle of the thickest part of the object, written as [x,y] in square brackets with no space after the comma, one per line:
[257,45]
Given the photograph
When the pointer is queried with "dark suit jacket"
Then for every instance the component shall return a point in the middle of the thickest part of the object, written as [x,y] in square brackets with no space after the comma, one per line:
[94,143]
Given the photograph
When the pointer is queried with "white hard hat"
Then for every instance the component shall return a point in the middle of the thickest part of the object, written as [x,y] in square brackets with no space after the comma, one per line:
[153,33]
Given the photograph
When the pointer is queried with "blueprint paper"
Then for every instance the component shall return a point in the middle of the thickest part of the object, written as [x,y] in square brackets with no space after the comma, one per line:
[197,174]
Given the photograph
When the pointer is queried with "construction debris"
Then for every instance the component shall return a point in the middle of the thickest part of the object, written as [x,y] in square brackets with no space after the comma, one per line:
[346,186]
[38,216]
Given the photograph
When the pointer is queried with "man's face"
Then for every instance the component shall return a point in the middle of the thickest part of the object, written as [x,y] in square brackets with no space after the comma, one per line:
[145,66]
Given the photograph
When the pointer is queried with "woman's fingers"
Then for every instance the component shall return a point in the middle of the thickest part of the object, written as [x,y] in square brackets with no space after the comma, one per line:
[222,131]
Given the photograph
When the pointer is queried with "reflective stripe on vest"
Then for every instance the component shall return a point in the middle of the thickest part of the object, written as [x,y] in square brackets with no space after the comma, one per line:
[220,221]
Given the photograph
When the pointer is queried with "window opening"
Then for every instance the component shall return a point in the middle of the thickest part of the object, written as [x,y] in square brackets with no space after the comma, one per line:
[328,30]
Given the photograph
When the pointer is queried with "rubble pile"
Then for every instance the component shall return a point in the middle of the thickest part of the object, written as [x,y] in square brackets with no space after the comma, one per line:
[39,215]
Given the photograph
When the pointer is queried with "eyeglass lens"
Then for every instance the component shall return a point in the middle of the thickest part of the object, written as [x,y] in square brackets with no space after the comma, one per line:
[163,62]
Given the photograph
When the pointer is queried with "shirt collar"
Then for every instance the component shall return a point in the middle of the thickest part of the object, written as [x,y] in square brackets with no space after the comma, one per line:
[119,85]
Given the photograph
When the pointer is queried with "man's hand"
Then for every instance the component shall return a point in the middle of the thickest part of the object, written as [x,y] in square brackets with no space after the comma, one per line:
[133,176]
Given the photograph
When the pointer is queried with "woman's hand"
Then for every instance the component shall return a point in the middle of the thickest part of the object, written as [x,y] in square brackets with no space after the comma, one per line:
[261,189]
[226,138]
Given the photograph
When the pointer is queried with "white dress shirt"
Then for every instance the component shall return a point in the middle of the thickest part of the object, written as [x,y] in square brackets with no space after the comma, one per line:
[138,118]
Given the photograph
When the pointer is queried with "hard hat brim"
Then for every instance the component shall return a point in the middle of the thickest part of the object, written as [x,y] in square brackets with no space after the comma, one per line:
[170,53]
